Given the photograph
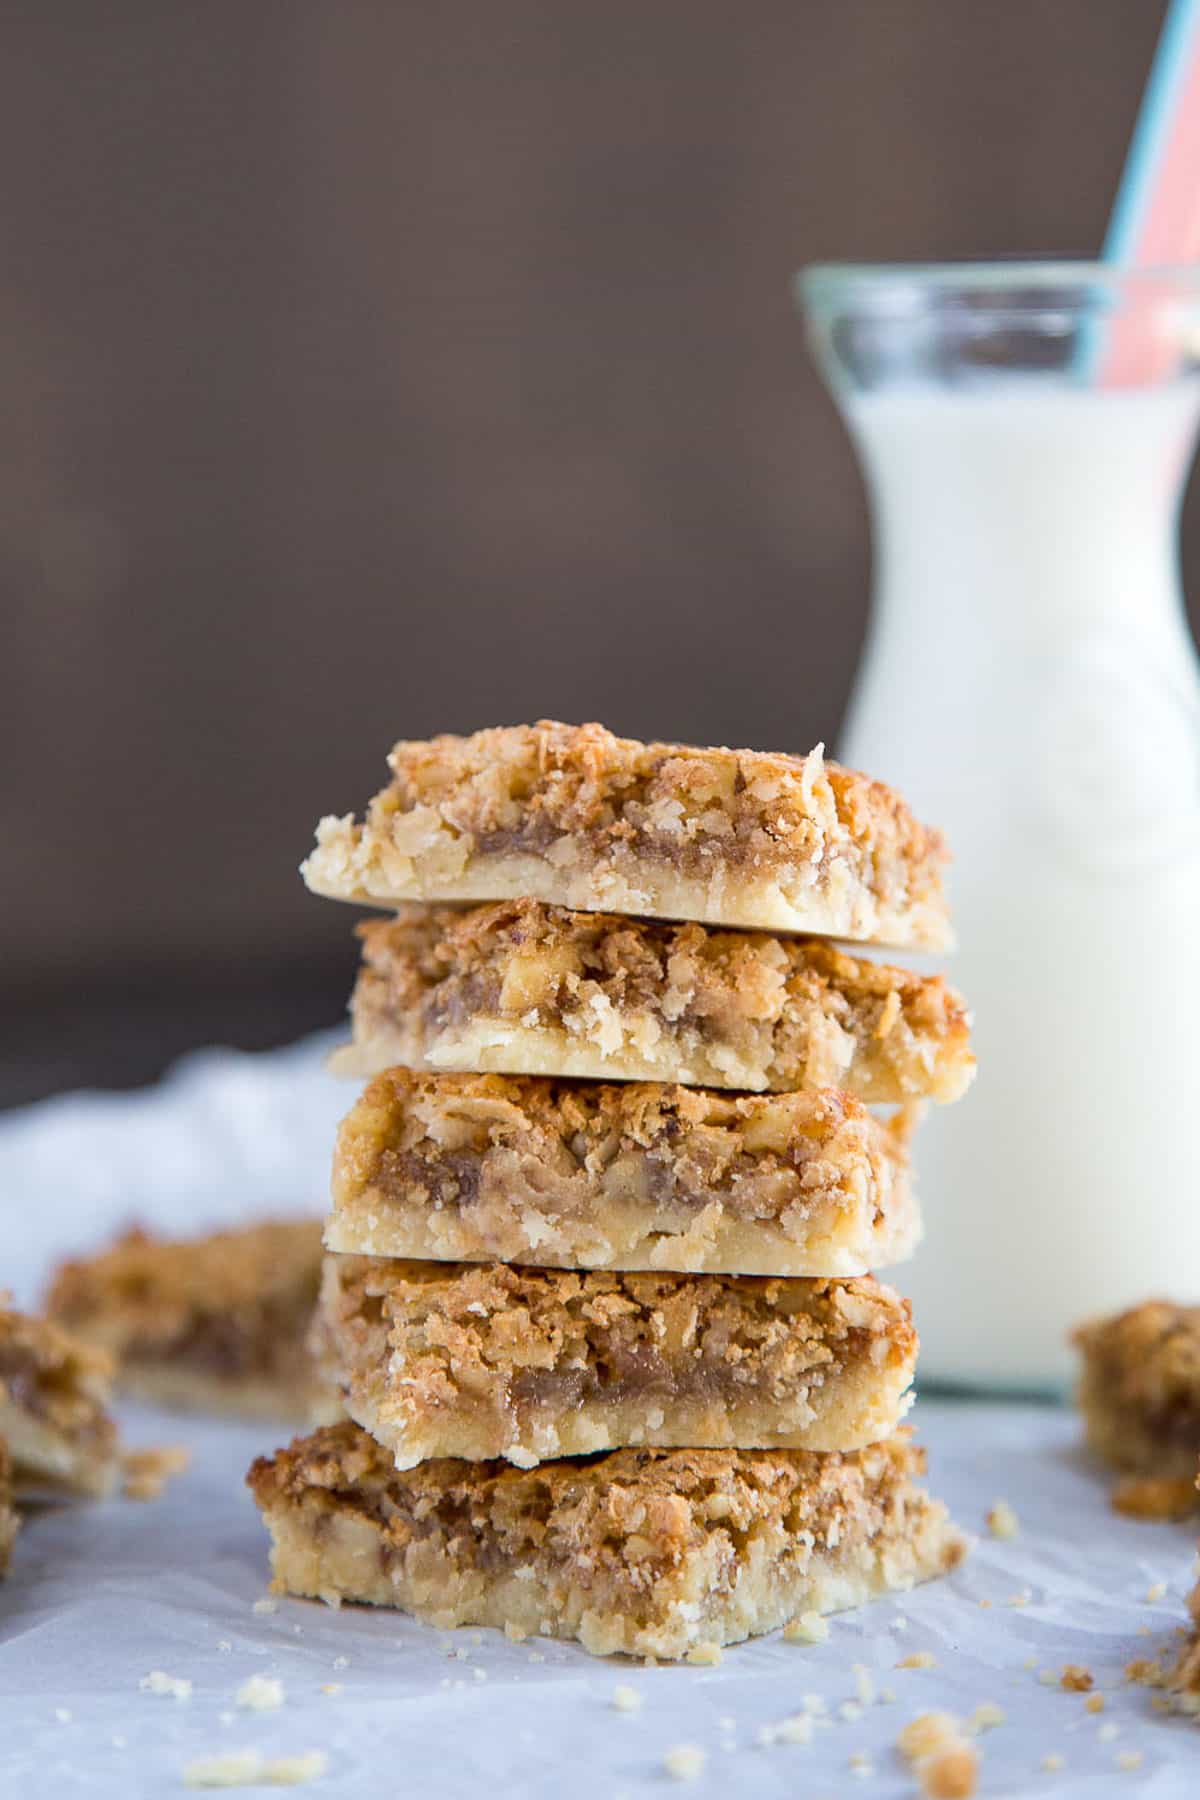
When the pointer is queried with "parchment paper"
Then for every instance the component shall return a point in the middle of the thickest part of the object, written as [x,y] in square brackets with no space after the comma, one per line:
[101,1595]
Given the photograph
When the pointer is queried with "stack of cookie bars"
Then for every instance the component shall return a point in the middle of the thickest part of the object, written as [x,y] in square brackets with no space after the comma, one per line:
[597,1301]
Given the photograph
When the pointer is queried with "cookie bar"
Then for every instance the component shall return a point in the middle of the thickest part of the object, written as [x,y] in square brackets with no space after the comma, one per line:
[494,1168]
[9,1521]
[480,1360]
[572,815]
[54,1395]
[529,989]
[1139,1390]
[649,1552]
[212,1324]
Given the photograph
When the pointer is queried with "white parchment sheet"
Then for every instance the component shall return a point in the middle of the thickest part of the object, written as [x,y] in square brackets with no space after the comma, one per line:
[99,1596]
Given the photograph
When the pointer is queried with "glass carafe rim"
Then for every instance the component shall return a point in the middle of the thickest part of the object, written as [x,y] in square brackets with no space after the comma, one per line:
[824,284]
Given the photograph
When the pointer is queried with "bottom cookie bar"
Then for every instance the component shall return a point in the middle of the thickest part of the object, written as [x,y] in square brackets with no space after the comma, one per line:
[646,1552]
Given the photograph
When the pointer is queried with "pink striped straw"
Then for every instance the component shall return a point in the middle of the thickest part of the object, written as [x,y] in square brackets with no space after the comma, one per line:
[1156,219]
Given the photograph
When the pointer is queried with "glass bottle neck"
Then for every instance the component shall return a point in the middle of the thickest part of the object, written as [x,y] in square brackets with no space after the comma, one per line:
[1035,507]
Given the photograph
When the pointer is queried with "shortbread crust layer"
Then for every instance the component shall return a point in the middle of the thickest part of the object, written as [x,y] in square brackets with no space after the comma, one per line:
[491,1168]
[528,989]
[484,1360]
[577,817]
[647,1552]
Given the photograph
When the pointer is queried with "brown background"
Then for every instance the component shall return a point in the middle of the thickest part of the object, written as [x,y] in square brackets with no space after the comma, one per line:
[374,369]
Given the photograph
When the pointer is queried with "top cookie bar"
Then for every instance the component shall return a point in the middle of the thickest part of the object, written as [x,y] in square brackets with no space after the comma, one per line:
[577,817]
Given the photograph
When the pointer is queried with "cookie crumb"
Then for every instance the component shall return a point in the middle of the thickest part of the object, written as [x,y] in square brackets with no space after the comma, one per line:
[1145,1671]
[1054,1761]
[262,1693]
[685,1762]
[626,1698]
[927,1733]
[860,1763]
[159,1682]
[1076,1678]
[1002,1521]
[796,1730]
[1021,1599]
[808,1628]
[920,1659]
[986,1717]
[331,1687]
[247,1768]
[145,1473]
[950,1774]
[1094,1703]
[1155,1497]
[1156,1592]
[1129,1759]
[705,1655]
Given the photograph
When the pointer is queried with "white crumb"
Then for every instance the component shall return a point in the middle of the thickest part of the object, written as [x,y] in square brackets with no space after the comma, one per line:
[685,1762]
[341,1662]
[261,1693]
[266,1605]
[796,1730]
[159,1682]
[63,1714]
[1107,1732]
[808,1628]
[1129,1759]
[248,1768]
[863,1684]
[626,1698]
[1002,1521]
[224,1645]
[1156,1592]
[704,1655]
[850,1710]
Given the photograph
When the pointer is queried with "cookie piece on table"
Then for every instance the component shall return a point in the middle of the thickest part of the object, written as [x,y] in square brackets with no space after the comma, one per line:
[211,1324]
[54,1396]
[9,1521]
[528,989]
[572,815]
[557,1174]
[647,1552]
[481,1360]
[1139,1393]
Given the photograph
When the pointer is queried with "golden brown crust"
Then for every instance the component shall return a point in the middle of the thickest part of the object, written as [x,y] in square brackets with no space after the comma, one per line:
[216,1322]
[54,1394]
[578,817]
[526,988]
[1139,1389]
[647,1551]
[485,1360]
[588,1175]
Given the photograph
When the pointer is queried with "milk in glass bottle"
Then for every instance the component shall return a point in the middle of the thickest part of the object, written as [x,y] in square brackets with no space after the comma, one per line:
[1030,684]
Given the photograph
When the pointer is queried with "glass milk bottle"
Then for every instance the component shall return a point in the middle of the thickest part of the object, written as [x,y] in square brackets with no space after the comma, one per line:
[1030,684]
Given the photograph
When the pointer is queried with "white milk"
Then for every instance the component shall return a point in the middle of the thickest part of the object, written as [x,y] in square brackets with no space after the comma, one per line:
[1030,685]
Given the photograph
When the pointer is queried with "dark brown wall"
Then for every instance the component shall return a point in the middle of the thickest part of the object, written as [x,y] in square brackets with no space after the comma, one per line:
[383,368]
